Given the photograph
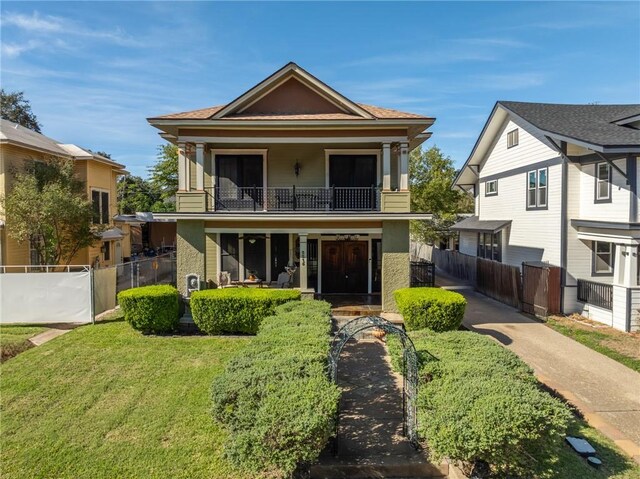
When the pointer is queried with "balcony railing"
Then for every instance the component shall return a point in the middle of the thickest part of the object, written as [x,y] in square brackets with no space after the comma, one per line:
[598,294]
[295,198]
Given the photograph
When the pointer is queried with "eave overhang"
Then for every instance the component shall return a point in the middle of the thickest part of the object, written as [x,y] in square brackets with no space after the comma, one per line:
[267,217]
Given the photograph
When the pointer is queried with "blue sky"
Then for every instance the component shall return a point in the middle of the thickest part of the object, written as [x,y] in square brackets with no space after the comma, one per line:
[94,71]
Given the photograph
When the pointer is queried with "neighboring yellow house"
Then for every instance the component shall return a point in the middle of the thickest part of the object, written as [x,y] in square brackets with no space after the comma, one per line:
[18,145]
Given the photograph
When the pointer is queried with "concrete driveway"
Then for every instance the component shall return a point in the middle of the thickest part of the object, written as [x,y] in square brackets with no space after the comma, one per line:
[605,391]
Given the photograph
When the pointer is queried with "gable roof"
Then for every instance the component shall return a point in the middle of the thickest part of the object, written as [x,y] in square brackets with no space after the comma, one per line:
[344,108]
[601,128]
[593,124]
[19,135]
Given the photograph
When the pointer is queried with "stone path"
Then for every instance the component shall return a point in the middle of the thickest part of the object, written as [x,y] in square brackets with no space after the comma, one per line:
[55,331]
[605,391]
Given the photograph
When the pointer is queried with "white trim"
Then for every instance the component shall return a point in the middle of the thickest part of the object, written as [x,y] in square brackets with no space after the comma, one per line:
[267,246]
[386,166]
[295,230]
[200,166]
[351,151]
[604,237]
[266,217]
[238,151]
[240,257]
[293,124]
[403,170]
[182,167]
[303,140]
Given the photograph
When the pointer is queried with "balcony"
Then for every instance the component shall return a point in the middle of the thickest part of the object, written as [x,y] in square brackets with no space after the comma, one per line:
[294,198]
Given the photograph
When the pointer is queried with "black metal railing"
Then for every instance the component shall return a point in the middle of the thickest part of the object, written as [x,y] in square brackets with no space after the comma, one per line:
[423,273]
[598,294]
[295,198]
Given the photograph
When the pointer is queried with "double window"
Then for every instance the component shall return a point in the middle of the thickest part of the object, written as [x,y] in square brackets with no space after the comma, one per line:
[491,188]
[602,258]
[490,246]
[603,183]
[100,203]
[537,189]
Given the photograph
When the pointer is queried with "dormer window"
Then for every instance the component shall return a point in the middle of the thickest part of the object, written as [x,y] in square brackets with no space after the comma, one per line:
[603,183]
[512,138]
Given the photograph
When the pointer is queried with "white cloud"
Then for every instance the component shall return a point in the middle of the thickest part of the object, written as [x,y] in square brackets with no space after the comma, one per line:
[13,50]
[34,22]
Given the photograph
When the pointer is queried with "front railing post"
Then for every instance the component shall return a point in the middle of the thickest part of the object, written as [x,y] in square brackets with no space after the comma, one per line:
[333,197]
[255,194]
[295,199]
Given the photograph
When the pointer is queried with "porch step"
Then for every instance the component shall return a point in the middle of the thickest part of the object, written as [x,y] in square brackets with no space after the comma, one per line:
[357,310]
[388,467]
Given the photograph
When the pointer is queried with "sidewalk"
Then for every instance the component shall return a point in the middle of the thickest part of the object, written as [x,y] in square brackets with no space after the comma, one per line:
[605,391]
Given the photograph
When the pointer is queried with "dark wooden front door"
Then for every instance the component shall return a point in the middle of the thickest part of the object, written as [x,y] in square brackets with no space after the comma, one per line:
[344,267]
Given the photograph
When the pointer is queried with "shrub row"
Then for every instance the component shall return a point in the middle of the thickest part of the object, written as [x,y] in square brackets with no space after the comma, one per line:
[479,401]
[432,308]
[274,398]
[236,310]
[151,309]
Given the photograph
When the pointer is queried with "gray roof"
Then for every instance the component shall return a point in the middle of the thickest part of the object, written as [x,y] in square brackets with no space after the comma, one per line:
[589,123]
[13,133]
[473,223]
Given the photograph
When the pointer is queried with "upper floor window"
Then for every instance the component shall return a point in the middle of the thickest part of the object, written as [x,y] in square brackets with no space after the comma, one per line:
[512,138]
[603,183]
[602,258]
[537,189]
[491,188]
[100,203]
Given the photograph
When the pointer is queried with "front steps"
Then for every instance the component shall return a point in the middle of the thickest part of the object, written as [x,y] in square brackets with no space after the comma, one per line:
[404,467]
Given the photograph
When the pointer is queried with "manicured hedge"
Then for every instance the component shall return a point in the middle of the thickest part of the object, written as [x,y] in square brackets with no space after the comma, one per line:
[151,309]
[479,401]
[275,398]
[236,310]
[432,308]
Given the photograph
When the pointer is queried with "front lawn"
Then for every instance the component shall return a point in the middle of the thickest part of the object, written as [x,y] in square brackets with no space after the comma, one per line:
[619,346]
[14,339]
[104,401]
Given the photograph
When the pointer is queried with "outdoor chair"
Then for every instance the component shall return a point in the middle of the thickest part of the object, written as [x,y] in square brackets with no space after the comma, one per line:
[224,280]
[285,280]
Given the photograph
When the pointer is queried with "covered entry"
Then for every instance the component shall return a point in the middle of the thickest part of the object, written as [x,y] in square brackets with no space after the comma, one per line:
[345,267]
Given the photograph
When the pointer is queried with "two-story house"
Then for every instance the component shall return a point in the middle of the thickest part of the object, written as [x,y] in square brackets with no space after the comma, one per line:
[294,174]
[99,174]
[559,183]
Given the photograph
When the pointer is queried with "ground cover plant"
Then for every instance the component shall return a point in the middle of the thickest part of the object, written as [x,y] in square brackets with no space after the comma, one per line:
[236,310]
[104,401]
[151,309]
[275,398]
[479,401]
[14,339]
[618,345]
[431,308]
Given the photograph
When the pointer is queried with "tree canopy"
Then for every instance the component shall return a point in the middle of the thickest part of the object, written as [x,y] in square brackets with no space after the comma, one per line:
[14,107]
[432,175]
[48,207]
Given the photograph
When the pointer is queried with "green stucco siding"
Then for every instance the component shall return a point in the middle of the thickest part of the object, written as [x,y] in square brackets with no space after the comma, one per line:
[190,242]
[395,261]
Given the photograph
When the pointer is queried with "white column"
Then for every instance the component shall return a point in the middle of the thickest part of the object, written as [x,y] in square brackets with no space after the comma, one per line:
[268,255]
[386,166]
[182,167]
[200,166]
[303,261]
[625,265]
[404,166]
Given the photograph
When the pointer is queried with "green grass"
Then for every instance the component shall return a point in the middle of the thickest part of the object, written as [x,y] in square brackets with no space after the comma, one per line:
[105,401]
[14,339]
[617,345]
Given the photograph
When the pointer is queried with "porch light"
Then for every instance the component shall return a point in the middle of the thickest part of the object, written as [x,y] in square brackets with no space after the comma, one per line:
[296,168]
[252,240]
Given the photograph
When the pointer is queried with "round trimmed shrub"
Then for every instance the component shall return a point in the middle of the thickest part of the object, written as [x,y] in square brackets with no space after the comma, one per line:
[431,308]
[151,309]
[236,310]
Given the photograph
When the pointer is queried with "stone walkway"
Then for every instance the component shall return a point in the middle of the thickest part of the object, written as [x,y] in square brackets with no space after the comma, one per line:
[605,391]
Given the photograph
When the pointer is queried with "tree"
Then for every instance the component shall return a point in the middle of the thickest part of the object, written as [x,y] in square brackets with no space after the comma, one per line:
[15,108]
[135,194]
[432,175]
[48,207]
[164,174]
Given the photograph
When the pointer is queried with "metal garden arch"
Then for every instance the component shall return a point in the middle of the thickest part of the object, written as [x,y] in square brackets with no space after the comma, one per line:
[409,367]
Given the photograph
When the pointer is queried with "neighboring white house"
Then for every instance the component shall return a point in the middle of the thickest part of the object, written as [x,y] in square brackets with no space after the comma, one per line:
[558,183]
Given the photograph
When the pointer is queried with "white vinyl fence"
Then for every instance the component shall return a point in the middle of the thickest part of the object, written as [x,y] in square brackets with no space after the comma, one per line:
[42,294]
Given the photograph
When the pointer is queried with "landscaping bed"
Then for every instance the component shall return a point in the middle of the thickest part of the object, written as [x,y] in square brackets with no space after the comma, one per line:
[14,339]
[618,345]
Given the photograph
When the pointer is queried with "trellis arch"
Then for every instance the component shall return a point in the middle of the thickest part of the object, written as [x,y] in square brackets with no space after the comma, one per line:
[409,367]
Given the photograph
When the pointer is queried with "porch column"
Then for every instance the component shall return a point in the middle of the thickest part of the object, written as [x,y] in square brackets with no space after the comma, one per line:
[404,166]
[200,166]
[303,261]
[625,265]
[386,166]
[183,168]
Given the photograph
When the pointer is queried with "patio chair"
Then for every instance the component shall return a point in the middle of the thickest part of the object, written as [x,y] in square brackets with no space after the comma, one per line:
[224,280]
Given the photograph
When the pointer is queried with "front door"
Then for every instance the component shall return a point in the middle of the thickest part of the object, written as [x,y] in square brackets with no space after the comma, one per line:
[344,267]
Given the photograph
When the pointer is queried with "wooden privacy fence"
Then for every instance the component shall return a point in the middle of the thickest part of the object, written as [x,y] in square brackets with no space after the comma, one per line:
[499,281]
[540,288]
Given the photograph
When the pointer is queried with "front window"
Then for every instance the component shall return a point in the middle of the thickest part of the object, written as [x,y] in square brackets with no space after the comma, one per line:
[603,257]
[537,188]
[603,182]
[100,205]
[106,250]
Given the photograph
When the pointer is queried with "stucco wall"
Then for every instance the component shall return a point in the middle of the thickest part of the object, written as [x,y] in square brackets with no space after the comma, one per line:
[190,249]
[395,261]
[211,257]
